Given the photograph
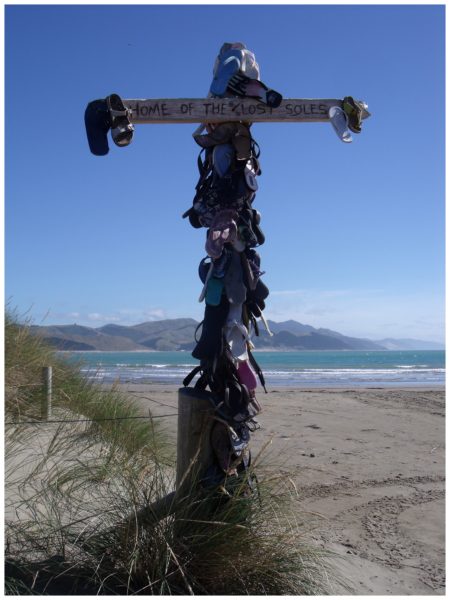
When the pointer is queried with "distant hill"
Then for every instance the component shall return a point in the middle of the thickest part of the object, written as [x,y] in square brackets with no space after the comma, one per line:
[179,334]
[170,334]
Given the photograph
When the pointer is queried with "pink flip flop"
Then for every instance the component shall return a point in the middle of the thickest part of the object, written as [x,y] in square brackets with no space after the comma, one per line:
[223,230]
[246,375]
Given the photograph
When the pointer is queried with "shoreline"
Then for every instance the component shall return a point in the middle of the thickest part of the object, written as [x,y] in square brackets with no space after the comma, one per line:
[255,350]
[292,388]
[302,369]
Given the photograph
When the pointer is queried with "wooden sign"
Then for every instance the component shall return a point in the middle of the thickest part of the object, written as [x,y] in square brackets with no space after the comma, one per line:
[217,110]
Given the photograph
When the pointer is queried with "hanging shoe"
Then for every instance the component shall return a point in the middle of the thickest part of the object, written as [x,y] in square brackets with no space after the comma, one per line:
[223,230]
[234,133]
[354,110]
[235,288]
[244,86]
[222,263]
[98,122]
[339,121]
[228,64]
[214,289]
[222,158]
[210,343]
[246,376]
[121,128]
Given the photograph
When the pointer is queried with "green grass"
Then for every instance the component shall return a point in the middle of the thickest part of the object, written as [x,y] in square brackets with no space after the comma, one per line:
[75,493]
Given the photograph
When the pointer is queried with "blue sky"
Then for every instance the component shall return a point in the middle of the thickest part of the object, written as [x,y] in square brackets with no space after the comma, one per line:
[354,232]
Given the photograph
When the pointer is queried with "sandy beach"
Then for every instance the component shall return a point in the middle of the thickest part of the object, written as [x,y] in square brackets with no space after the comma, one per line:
[369,468]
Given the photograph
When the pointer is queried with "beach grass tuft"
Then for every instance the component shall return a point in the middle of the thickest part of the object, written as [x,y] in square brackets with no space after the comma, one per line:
[83,501]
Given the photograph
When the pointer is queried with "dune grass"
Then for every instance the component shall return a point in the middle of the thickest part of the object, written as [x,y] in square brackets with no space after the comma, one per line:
[75,494]
[113,415]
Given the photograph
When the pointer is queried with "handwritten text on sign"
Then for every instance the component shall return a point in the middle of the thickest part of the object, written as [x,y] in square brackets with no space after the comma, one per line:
[206,109]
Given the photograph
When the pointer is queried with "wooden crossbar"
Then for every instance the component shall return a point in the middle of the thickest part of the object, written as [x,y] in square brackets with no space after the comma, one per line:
[217,110]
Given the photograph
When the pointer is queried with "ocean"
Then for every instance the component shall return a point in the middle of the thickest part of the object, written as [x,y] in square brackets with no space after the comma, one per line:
[305,369]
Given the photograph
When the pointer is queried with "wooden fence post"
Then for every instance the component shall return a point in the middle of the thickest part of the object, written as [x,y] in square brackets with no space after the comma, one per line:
[46,400]
[194,452]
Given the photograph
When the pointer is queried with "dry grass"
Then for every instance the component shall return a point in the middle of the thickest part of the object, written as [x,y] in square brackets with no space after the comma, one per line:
[75,494]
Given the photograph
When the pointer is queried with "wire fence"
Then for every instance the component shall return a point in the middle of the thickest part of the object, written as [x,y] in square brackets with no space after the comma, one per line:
[87,420]
[96,420]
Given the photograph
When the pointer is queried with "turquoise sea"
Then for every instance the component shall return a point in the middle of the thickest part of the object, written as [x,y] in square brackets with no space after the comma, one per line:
[307,368]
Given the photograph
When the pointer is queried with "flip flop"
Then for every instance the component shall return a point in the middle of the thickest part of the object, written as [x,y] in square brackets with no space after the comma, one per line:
[234,133]
[214,289]
[210,343]
[237,400]
[234,280]
[97,122]
[223,230]
[256,220]
[221,134]
[236,335]
[205,271]
[247,376]
[239,245]
[221,446]
[250,176]
[222,157]
[339,121]
[222,263]
[234,314]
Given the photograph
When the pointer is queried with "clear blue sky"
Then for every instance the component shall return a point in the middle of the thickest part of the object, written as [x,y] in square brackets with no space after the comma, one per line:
[354,232]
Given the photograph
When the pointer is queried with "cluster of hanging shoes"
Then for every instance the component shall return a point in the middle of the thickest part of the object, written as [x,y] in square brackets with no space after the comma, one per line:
[233,291]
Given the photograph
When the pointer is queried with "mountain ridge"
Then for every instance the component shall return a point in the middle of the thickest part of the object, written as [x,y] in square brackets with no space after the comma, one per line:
[179,334]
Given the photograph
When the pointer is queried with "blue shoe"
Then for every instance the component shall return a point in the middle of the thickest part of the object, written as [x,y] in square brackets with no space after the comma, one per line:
[229,63]
[223,156]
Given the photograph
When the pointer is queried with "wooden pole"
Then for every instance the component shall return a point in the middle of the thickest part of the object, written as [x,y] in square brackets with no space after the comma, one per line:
[218,110]
[194,453]
[46,401]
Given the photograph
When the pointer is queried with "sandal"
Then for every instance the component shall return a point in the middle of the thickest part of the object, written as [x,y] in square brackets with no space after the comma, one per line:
[223,230]
[121,128]
[243,86]
[354,111]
